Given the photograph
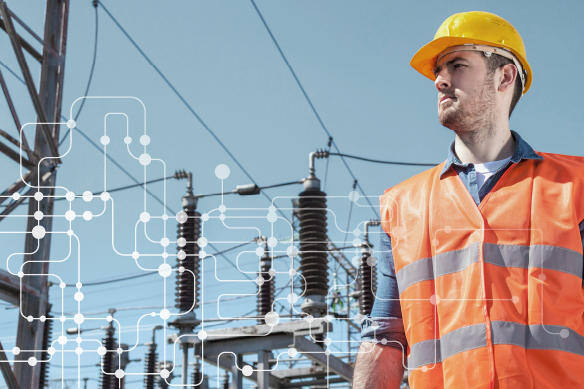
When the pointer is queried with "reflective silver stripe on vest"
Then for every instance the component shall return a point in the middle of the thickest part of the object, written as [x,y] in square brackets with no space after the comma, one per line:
[435,350]
[534,336]
[538,256]
[441,264]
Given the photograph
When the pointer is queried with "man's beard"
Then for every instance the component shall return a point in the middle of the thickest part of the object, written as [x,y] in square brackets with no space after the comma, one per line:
[473,115]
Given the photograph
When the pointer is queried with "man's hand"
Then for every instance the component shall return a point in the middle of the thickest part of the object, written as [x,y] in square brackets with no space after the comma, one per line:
[378,367]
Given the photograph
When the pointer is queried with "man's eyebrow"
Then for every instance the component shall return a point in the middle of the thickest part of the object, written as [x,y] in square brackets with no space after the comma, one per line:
[438,68]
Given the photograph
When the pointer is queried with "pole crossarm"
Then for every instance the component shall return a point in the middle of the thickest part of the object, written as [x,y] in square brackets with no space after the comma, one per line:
[25,45]
[7,372]
[28,177]
[28,79]
[32,157]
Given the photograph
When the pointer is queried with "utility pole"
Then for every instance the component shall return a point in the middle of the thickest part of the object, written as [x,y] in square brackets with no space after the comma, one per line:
[40,180]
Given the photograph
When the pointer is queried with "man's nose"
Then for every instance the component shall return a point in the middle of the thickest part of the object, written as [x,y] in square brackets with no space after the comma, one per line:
[442,80]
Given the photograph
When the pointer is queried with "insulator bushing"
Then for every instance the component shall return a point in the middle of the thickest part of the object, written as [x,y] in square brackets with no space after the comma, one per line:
[313,242]
[225,381]
[108,380]
[47,334]
[187,282]
[150,366]
[367,283]
[265,296]
[196,376]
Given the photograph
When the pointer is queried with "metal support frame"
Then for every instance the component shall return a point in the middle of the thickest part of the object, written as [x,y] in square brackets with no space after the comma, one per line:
[7,371]
[32,292]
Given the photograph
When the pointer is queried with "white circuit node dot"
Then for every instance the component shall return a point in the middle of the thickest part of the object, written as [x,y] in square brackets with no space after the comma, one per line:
[181,254]
[357,232]
[327,342]
[329,318]
[272,272]
[371,261]
[202,254]
[78,296]
[356,242]
[70,215]
[43,318]
[164,373]
[70,232]
[164,242]
[164,216]
[78,318]
[109,318]
[104,196]
[164,270]
[181,242]
[105,140]
[32,361]
[309,318]
[38,232]
[181,269]
[564,333]
[127,140]
[292,352]
[135,255]
[144,217]
[292,251]
[383,341]
[70,196]
[62,340]
[247,370]
[62,285]
[222,208]
[272,318]
[144,140]
[272,241]
[119,373]
[259,251]
[222,171]
[78,285]
[202,334]
[542,276]
[181,217]
[78,350]
[62,319]
[87,196]
[78,339]
[87,215]
[101,350]
[292,272]
[71,124]
[152,314]
[272,217]
[356,261]
[119,350]
[354,196]
[292,298]
[327,352]
[38,215]
[515,299]
[51,350]
[15,196]
[272,209]
[20,274]
[205,217]
[202,241]
[260,280]
[164,314]
[29,318]
[15,350]
[434,299]
[145,159]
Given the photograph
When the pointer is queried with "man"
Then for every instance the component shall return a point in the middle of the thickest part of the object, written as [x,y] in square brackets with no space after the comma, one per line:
[482,284]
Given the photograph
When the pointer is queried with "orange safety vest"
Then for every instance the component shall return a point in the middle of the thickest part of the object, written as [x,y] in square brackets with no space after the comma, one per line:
[491,295]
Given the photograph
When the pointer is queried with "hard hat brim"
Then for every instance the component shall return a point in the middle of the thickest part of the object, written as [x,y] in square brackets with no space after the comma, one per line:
[424,59]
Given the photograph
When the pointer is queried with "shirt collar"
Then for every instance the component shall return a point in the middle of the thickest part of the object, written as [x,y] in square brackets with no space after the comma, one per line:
[522,151]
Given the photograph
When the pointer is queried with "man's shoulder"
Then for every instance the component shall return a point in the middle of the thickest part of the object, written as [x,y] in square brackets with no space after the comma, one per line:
[562,163]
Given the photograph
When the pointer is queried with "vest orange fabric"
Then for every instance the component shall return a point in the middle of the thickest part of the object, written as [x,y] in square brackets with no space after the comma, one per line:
[491,295]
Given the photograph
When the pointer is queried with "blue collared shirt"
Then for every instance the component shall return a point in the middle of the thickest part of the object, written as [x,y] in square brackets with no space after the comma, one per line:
[385,321]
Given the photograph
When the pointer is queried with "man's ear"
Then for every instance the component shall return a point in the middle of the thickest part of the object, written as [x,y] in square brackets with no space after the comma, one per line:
[508,76]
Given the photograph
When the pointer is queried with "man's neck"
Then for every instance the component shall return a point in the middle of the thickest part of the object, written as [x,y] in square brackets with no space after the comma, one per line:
[484,145]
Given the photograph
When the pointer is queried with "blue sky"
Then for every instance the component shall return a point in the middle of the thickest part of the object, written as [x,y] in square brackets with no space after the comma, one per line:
[352,59]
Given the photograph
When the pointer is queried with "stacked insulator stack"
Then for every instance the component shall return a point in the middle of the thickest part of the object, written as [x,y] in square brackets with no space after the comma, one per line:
[47,334]
[150,366]
[108,380]
[225,381]
[368,283]
[266,287]
[313,242]
[197,376]
[187,282]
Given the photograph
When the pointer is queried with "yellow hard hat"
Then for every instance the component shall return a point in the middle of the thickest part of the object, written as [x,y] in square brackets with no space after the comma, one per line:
[475,30]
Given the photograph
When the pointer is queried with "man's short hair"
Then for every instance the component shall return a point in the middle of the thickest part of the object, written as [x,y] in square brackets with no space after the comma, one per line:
[494,62]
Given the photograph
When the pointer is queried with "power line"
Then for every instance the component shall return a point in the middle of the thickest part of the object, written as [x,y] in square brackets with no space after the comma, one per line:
[90,73]
[322,125]
[401,163]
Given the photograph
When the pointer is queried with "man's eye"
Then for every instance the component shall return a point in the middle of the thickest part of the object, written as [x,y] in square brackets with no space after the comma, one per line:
[458,65]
